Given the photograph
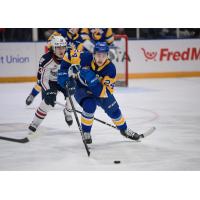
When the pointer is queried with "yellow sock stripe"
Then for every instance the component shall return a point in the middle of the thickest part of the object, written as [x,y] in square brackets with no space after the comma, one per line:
[37,87]
[119,122]
[87,122]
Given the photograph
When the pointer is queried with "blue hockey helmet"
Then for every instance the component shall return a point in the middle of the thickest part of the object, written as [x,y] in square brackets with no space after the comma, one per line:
[101,47]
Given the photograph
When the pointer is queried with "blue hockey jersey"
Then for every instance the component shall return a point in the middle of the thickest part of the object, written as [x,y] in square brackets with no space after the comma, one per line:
[106,73]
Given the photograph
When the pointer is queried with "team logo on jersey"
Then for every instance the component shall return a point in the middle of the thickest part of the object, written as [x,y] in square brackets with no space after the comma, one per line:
[41,60]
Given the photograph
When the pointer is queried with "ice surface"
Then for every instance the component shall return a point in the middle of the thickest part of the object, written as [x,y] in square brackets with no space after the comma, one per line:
[172,105]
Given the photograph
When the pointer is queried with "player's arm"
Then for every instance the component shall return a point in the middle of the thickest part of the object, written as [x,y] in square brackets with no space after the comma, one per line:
[63,76]
[68,66]
[108,81]
[100,87]
[108,84]
[45,74]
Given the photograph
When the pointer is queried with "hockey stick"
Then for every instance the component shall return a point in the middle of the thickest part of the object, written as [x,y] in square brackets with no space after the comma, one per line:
[143,135]
[60,104]
[77,120]
[23,140]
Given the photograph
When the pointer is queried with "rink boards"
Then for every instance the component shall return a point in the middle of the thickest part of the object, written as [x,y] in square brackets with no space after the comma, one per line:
[147,59]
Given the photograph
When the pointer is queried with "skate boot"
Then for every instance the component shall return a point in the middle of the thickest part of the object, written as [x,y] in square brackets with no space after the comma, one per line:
[68,117]
[29,99]
[87,137]
[32,131]
[128,133]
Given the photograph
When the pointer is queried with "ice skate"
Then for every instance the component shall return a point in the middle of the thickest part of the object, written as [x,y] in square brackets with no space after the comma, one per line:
[68,117]
[128,133]
[29,99]
[87,138]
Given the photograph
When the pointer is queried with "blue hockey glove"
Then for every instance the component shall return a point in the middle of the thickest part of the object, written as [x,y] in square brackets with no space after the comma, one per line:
[62,78]
[87,77]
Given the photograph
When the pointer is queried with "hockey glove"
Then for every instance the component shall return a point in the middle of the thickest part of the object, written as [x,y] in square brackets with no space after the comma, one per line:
[87,77]
[50,97]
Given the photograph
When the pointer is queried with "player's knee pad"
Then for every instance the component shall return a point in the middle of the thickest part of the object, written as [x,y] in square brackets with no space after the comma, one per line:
[109,104]
[115,114]
[89,105]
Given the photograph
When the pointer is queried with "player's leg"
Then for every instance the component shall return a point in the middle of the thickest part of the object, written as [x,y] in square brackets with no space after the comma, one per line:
[67,114]
[46,105]
[35,91]
[88,103]
[112,109]
[87,117]
[40,114]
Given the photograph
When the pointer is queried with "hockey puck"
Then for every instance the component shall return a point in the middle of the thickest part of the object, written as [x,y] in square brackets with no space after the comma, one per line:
[117,161]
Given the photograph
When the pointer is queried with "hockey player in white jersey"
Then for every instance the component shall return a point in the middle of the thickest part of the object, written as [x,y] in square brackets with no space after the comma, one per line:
[50,64]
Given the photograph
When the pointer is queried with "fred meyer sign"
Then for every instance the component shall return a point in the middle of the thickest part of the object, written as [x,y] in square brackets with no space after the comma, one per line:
[164,55]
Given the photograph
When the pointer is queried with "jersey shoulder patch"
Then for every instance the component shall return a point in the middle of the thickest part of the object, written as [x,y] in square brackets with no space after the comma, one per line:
[45,59]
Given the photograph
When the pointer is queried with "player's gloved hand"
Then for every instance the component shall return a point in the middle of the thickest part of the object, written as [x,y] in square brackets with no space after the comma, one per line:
[87,77]
[71,85]
[62,78]
[73,70]
[50,97]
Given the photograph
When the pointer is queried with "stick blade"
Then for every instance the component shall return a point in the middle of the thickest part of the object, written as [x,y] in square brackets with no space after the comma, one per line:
[148,132]
[23,140]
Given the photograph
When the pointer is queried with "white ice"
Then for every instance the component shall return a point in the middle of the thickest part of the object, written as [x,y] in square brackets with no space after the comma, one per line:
[172,105]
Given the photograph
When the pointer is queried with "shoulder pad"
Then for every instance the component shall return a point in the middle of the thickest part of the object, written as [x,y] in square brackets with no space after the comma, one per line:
[45,59]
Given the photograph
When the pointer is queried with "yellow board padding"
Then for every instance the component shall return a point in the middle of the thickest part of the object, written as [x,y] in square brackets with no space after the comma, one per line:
[18,79]
[160,75]
[119,76]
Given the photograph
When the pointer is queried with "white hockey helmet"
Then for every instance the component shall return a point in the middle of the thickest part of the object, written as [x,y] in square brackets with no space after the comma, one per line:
[57,41]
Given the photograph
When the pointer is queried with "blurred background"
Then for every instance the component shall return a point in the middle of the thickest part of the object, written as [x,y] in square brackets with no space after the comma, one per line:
[42,34]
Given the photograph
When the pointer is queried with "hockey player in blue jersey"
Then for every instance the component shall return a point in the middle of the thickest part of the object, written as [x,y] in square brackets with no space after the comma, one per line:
[74,41]
[50,64]
[96,77]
